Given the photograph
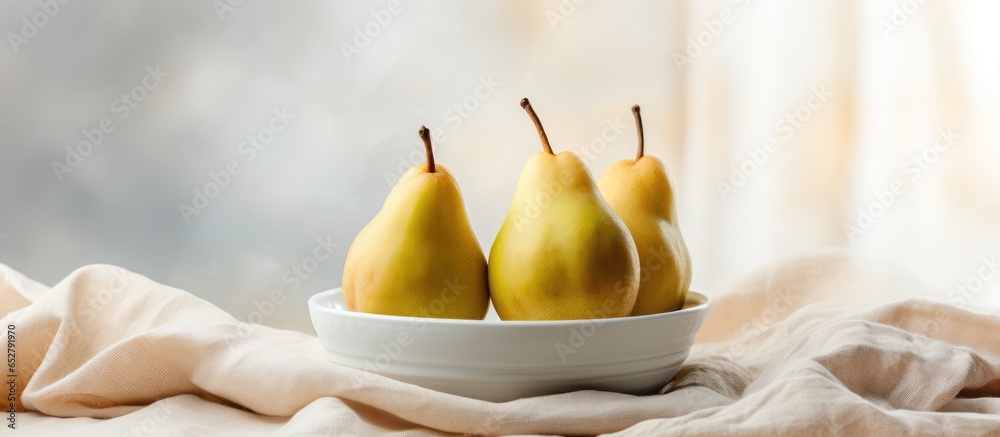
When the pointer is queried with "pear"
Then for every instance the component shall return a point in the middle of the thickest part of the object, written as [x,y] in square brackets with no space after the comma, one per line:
[561,253]
[640,193]
[419,257]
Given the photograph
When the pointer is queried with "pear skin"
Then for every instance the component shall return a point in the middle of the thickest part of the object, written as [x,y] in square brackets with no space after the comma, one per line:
[561,253]
[418,256]
[640,192]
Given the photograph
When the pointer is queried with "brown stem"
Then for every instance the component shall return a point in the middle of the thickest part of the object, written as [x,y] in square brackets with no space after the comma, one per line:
[638,127]
[425,134]
[538,125]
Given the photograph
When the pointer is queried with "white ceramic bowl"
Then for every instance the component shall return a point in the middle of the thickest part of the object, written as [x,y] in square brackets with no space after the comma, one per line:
[500,361]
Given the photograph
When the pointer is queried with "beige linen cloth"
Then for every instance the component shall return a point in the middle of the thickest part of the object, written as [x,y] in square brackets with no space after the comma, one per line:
[811,346]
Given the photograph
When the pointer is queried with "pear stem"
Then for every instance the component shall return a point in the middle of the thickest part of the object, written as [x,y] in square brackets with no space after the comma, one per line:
[425,134]
[538,125]
[638,127]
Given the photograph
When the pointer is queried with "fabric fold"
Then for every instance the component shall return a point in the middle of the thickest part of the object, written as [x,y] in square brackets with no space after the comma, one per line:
[785,352]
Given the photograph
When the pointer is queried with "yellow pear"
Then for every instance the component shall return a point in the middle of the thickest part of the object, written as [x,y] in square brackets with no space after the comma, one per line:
[419,257]
[640,193]
[561,252]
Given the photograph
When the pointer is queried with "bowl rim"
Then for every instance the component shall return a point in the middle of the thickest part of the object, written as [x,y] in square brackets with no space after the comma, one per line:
[706,303]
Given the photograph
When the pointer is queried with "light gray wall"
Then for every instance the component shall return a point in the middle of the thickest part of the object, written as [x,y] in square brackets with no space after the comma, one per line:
[355,121]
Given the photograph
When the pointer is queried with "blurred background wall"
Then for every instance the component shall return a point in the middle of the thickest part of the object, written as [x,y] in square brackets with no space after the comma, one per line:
[226,147]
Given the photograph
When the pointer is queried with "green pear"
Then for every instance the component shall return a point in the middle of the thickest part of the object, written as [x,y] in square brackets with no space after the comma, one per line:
[640,193]
[561,253]
[419,257]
